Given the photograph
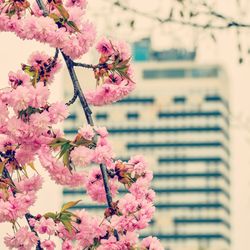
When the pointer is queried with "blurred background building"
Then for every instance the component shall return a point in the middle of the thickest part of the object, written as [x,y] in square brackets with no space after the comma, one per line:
[178,117]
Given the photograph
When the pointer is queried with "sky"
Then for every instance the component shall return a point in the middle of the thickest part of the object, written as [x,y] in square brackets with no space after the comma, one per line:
[13,51]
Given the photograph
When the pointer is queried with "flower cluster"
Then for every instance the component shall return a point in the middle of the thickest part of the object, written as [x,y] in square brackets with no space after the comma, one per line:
[134,210]
[26,126]
[28,132]
[114,71]
[61,28]
[22,240]
[77,230]
[90,146]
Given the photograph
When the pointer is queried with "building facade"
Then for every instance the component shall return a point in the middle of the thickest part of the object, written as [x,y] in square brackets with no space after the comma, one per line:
[178,118]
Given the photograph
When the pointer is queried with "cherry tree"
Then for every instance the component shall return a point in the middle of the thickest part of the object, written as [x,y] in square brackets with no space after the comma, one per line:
[29,132]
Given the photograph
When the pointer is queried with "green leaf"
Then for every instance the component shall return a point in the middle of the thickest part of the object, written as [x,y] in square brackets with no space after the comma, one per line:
[85,142]
[64,148]
[62,11]
[11,12]
[58,140]
[66,158]
[50,215]
[32,166]
[67,225]
[69,205]
[73,26]
[124,63]
[54,16]
[28,69]
[2,165]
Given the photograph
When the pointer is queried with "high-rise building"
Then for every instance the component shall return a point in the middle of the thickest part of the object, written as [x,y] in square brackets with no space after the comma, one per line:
[178,118]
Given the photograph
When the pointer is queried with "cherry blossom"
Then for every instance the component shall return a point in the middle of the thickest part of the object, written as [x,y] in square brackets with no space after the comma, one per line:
[30,137]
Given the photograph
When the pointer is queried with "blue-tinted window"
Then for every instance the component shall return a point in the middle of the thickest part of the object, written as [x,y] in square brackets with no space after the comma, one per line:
[213,98]
[173,55]
[179,99]
[72,117]
[141,50]
[133,116]
[181,237]
[206,72]
[164,73]
[181,73]
[137,100]
[216,98]
[101,116]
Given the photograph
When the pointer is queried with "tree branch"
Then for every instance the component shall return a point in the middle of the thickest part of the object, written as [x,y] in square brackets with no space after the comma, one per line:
[229,22]
[6,175]
[27,217]
[78,89]
[84,65]
[86,109]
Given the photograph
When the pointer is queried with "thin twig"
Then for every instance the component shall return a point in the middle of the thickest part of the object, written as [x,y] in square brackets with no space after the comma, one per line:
[84,65]
[106,187]
[230,23]
[78,89]
[27,217]
[73,99]
[6,175]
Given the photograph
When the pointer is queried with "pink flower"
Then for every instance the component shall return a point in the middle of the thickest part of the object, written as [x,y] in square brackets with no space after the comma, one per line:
[126,242]
[95,186]
[40,95]
[124,49]
[82,156]
[44,29]
[30,184]
[139,164]
[40,121]
[45,226]
[23,240]
[116,75]
[19,78]
[103,152]
[104,47]
[58,112]
[4,115]
[48,245]
[79,3]
[151,243]
[37,58]
[26,153]
[67,245]
[21,97]
[141,189]
[87,132]
[58,172]
[128,204]
[88,229]
[108,93]
[15,206]
[102,131]
[45,66]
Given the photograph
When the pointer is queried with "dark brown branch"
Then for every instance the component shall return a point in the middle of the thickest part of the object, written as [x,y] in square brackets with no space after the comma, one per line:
[84,65]
[78,89]
[27,217]
[229,22]
[88,114]
[86,109]
[6,175]
[73,99]
[105,181]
